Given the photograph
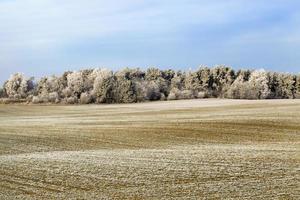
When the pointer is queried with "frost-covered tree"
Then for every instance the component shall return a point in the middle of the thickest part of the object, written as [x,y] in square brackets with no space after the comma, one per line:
[298,87]
[153,74]
[49,85]
[205,80]
[135,85]
[131,74]
[192,83]
[282,85]
[125,89]
[244,74]
[152,91]
[239,89]
[18,86]
[222,78]
[287,86]
[178,81]
[75,83]
[103,86]
[258,85]
[168,75]
[1,92]
[274,83]
[155,78]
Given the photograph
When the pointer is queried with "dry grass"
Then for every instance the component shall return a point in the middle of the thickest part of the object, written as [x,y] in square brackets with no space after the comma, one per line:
[198,149]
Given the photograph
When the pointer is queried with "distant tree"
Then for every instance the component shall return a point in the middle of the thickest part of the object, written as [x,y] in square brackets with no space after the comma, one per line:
[287,86]
[4,93]
[1,93]
[205,80]
[258,85]
[239,89]
[152,91]
[131,74]
[168,75]
[244,74]
[76,83]
[155,78]
[222,78]
[103,86]
[47,85]
[298,87]
[282,85]
[192,83]
[18,86]
[124,86]
[274,83]
[178,81]
[153,74]
[135,85]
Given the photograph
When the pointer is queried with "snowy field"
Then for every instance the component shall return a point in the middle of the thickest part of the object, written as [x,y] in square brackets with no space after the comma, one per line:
[197,149]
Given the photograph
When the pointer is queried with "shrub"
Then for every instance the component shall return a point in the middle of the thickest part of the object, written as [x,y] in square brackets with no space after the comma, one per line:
[172,95]
[36,100]
[201,95]
[85,98]
[53,97]
[163,97]
[186,94]
[72,100]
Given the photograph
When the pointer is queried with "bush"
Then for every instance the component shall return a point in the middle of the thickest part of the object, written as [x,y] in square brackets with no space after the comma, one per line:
[201,95]
[53,97]
[172,96]
[72,100]
[186,94]
[85,98]
[163,97]
[36,100]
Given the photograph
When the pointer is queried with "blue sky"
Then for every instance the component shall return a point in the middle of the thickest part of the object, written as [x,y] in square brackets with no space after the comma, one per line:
[44,37]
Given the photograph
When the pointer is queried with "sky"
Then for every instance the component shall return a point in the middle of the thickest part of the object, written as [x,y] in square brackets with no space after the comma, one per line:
[45,37]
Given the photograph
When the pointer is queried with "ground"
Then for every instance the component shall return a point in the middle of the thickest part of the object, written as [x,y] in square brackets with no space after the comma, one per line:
[190,149]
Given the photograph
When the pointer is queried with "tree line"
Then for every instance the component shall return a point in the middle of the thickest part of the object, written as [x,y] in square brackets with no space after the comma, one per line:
[102,85]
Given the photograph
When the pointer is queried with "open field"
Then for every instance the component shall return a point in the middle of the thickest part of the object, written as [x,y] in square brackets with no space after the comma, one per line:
[197,149]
